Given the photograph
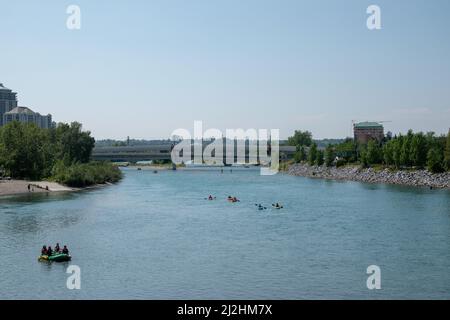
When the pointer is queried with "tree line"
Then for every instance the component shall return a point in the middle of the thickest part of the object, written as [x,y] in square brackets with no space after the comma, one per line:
[413,150]
[62,153]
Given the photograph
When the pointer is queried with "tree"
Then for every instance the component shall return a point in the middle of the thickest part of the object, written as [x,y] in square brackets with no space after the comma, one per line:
[363,157]
[30,152]
[373,153]
[319,157]
[397,151]
[312,156]
[447,152]
[74,145]
[347,150]
[418,150]
[24,150]
[405,154]
[388,153]
[300,138]
[300,155]
[434,160]
[330,155]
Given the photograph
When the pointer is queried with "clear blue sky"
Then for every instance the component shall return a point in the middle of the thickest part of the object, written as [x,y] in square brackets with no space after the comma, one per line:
[144,68]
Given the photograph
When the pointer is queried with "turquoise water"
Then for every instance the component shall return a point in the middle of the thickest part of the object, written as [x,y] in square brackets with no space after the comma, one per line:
[154,236]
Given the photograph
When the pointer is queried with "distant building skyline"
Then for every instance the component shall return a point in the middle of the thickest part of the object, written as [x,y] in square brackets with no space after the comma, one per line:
[8,101]
[26,115]
[10,111]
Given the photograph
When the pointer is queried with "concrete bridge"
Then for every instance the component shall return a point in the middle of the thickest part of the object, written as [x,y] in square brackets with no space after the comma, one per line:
[150,152]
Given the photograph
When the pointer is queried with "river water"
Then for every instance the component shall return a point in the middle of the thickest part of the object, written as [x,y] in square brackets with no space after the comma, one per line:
[154,236]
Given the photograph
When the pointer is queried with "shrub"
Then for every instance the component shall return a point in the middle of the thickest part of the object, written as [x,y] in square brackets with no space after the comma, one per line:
[340,163]
[86,174]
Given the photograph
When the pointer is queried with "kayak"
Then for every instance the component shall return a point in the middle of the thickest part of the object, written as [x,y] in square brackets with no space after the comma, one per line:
[59,257]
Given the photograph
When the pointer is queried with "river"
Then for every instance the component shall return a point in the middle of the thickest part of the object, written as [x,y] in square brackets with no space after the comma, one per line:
[154,236]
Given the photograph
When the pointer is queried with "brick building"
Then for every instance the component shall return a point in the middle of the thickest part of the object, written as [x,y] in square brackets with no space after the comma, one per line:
[365,131]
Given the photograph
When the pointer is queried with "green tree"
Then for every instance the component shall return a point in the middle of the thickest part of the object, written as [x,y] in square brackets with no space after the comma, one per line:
[388,153]
[397,151]
[73,144]
[363,159]
[347,150]
[312,155]
[373,153]
[434,160]
[447,152]
[330,155]
[418,150]
[300,138]
[24,150]
[405,154]
[319,157]
[300,154]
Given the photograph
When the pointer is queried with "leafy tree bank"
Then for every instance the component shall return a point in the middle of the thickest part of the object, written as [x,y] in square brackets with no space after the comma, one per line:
[413,150]
[62,154]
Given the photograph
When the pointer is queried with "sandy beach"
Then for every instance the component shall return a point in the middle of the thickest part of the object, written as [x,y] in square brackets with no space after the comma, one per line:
[16,187]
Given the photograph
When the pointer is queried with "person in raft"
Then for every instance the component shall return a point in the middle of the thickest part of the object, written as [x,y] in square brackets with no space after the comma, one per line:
[44,250]
[49,251]
[65,250]
[57,248]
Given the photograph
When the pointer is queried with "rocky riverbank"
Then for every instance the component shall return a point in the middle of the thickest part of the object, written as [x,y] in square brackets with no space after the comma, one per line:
[418,178]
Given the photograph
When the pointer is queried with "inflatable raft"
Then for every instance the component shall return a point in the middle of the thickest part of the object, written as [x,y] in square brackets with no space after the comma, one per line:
[59,257]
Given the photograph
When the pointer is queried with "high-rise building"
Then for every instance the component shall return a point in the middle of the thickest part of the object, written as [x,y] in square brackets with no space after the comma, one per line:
[26,115]
[9,111]
[8,101]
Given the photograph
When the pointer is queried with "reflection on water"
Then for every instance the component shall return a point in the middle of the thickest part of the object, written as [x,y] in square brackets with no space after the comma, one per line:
[155,236]
[33,215]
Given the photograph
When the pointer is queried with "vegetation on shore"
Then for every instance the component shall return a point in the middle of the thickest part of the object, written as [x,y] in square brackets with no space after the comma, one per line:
[61,154]
[410,151]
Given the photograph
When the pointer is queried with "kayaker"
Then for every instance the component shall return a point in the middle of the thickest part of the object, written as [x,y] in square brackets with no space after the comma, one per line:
[44,250]
[57,248]
[65,250]
[49,251]
[210,197]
